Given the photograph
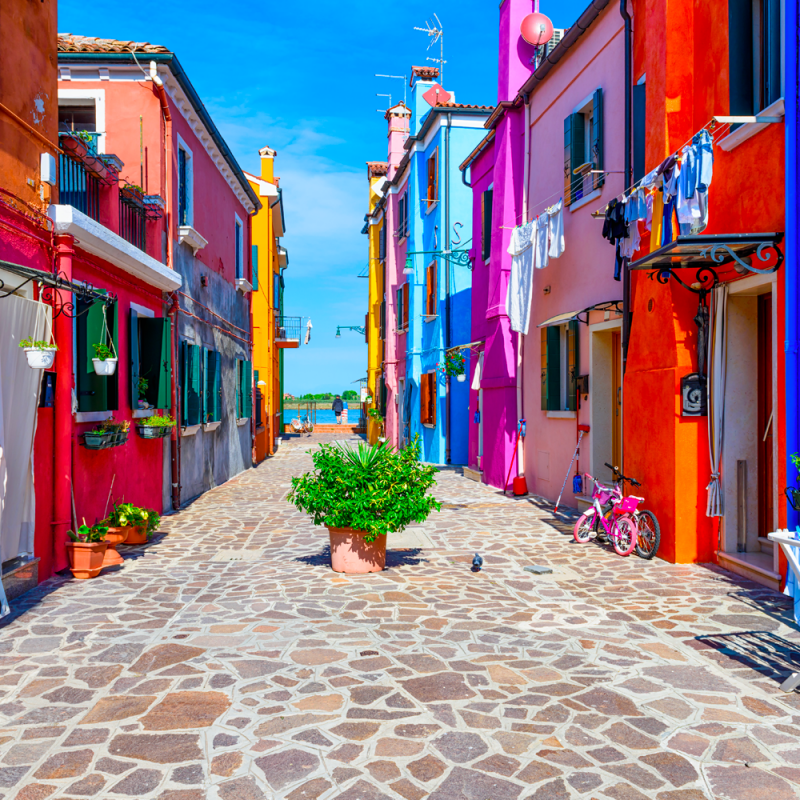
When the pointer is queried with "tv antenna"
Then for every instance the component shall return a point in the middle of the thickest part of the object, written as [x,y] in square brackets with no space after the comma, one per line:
[435,34]
[383,110]
[403,78]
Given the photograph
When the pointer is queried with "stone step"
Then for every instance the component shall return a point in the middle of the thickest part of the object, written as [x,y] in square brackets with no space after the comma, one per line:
[755,566]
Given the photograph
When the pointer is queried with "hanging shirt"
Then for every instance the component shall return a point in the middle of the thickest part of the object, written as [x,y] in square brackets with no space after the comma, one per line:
[658,220]
[648,224]
[704,148]
[555,222]
[541,256]
[520,286]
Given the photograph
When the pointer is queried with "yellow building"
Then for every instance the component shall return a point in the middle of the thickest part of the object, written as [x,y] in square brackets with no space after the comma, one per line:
[376,313]
[269,261]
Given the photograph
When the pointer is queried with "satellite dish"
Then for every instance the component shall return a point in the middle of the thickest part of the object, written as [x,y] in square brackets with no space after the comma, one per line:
[436,95]
[536,29]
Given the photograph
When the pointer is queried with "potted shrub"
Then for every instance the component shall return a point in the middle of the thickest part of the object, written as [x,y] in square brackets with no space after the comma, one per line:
[156,427]
[40,354]
[133,521]
[454,365]
[86,550]
[105,360]
[363,494]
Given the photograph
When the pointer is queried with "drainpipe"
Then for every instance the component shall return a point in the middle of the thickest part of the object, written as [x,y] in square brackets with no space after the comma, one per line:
[64,422]
[447,242]
[174,443]
[158,85]
[526,115]
[626,278]
[792,280]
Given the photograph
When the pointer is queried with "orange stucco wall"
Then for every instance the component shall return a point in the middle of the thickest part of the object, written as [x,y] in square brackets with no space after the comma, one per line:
[28,89]
[682,47]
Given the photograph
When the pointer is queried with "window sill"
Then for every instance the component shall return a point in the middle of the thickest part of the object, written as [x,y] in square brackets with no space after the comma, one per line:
[593,195]
[243,285]
[190,236]
[428,425]
[211,426]
[561,414]
[93,416]
[242,421]
[190,430]
[141,413]
[430,317]
[402,331]
[749,129]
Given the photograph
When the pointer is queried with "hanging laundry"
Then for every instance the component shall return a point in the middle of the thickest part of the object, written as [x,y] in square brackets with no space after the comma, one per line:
[520,285]
[704,146]
[657,221]
[648,223]
[541,256]
[555,222]
[615,230]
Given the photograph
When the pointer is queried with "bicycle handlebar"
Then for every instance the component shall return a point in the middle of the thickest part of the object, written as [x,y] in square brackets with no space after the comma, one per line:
[617,471]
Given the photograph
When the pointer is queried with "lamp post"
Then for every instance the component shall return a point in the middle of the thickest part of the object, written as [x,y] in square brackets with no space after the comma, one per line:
[357,328]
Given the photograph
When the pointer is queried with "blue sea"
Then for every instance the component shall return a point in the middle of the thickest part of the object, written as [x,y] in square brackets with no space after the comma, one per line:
[325,416]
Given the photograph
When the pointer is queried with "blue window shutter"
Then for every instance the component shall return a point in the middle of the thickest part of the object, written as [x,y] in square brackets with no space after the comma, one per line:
[255,267]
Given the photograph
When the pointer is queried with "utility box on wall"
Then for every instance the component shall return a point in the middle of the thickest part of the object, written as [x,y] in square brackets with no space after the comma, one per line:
[694,395]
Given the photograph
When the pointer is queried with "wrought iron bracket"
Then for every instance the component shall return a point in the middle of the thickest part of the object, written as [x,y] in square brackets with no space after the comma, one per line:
[717,254]
[706,279]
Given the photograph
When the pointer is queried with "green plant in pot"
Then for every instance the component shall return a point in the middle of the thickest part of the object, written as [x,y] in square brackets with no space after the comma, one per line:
[86,549]
[40,354]
[135,519]
[105,360]
[363,494]
[144,384]
[156,427]
[793,494]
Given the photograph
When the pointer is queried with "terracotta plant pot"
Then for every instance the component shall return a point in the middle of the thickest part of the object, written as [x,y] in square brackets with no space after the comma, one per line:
[114,537]
[86,558]
[137,535]
[352,554]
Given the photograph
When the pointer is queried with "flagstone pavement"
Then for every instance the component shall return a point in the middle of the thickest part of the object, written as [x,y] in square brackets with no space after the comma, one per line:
[225,660]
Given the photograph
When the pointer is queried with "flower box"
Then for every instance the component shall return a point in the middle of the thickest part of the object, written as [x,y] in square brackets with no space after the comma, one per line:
[132,195]
[154,431]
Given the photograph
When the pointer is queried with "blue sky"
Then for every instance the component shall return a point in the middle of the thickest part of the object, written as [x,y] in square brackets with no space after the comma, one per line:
[304,84]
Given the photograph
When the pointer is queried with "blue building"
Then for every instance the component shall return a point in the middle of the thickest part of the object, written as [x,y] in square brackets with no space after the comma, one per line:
[437,269]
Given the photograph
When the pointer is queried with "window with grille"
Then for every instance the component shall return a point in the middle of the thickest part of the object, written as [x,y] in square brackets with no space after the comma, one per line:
[185,185]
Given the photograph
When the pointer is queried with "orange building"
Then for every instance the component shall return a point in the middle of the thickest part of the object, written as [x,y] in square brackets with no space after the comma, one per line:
[710,67]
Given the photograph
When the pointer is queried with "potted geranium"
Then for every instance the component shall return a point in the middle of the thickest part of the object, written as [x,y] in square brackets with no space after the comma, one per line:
[40,354]
[105,360]
[363,494]
[454,365]
[86,550]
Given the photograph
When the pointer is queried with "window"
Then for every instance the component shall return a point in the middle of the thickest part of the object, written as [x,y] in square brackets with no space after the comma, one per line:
[402,307]
[185,184]
[83,110]
[486,224]
[382,241]
[383,318]
[427,399]
[244,389]
[151,360]
[560,367]
[191,385]
[239,244]
[95,323]
[402,216]
[254,258]
[276,292]
[431,296]
[639,129]
[754,39]
[433,179]
[212,385]
[583,149]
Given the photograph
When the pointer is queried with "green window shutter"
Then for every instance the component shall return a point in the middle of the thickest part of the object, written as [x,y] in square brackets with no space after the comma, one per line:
[544,368]
[89,329]
[185,383]
[553,368]
[597,136]
[155,359]
[134,348]
[248,389]
[574,154]
[217,387]
[238,384]
[112,381]
[255,267]
[567,191]
[207,377]
[486,218]
[573,364]
[194,385]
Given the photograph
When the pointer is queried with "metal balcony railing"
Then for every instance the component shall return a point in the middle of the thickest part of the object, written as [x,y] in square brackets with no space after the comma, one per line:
[77,187]
[132,219]
[288,331]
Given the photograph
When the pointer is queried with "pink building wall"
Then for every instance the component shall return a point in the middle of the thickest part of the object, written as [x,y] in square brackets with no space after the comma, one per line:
[583,275]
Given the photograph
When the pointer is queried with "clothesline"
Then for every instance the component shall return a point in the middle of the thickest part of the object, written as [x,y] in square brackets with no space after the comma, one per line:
[715,129]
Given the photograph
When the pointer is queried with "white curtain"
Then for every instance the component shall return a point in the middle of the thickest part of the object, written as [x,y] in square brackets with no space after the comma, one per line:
[19,399]
[717,370]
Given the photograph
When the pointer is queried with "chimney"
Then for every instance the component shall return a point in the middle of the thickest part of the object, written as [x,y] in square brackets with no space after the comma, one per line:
[422,78]
[399,118]
[514,65]
[267,163]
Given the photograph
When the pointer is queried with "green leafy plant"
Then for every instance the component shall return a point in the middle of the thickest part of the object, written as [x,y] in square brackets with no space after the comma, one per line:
[125,514]
[114,426]
[153,521]
[375,413]
[143,384]
[372,489]
[38,344]
[135,187]
[454,363]
[89,534]
[103,352]
[796,461]
[158,421]
[85,136]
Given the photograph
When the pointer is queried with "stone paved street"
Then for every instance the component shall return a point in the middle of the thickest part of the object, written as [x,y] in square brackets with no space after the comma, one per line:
[227,661]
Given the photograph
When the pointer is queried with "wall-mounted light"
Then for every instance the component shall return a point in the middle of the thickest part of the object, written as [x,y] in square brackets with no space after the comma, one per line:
[338,333]
[409,267]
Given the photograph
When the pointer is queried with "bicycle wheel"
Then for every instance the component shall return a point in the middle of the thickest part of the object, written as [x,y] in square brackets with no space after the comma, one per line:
[624,538]
[649,537]
[584,527]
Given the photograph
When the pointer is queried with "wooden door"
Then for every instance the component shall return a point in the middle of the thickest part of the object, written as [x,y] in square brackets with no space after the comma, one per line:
[616,400]
[766,424]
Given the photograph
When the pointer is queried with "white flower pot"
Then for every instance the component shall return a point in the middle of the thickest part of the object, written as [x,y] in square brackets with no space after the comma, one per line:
[40,359]
[461,378]
[107,367]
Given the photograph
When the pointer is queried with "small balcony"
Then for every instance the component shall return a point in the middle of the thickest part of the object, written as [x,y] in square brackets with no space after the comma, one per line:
[287,331]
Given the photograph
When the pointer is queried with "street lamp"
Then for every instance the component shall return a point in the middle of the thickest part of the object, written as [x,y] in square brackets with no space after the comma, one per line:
[356,328]
[409,267]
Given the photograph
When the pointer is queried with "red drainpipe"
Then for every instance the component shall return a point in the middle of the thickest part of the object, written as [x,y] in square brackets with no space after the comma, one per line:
[63,420]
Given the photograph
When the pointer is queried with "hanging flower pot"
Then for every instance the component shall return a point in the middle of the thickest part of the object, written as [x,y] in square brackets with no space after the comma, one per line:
[106,366]
[40,354]
[461,377]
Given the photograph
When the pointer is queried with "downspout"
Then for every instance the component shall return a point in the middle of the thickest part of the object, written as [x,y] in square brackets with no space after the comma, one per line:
[626,277]
[447,242]
[792,283]
[526,115]
[158,86]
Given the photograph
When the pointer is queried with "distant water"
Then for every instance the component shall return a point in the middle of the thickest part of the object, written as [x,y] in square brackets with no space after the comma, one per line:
[325,416]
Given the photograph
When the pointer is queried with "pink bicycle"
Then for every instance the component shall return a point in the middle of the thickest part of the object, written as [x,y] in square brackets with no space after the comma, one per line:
[621,530]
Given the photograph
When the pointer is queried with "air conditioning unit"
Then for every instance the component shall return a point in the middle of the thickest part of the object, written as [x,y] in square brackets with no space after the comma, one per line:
[558,35]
